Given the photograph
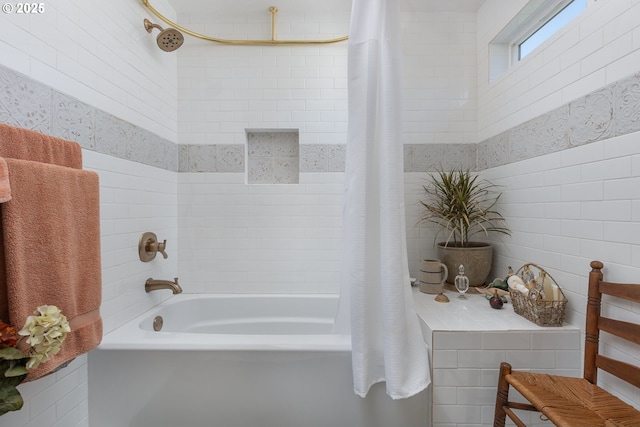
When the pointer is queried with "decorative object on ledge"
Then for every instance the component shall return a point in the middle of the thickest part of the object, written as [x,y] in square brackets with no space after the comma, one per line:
[433,273]
[497,288]
[149,246]
[496,301]
[462,282]
[537,299]
[273,10]
[441,298]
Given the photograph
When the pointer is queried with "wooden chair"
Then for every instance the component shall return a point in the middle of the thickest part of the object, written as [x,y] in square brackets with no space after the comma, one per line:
[568,401]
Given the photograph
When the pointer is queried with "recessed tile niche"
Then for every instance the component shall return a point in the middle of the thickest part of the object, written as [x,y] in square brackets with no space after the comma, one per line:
[273,156]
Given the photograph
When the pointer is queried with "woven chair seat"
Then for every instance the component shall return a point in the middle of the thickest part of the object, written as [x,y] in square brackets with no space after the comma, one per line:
[570,401]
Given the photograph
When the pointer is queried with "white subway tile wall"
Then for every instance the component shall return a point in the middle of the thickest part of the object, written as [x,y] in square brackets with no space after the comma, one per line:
[134,198]
[224,90]
[243,238]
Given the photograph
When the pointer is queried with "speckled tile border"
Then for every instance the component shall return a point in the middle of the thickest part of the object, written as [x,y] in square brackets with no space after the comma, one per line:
[432,157]
[211,158]
[231,158]
[610,111]
[28,104]
[328,158]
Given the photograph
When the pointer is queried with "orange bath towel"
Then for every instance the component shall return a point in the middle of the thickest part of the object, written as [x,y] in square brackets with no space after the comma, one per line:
[5,186]
[51,235]
[25,144]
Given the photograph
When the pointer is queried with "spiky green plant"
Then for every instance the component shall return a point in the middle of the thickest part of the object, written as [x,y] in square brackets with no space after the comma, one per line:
[462,205]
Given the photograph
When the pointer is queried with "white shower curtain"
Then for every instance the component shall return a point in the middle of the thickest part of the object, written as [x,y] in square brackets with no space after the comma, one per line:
[376,306]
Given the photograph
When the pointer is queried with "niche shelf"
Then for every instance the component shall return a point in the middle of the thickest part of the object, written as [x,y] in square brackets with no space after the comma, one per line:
[273,156]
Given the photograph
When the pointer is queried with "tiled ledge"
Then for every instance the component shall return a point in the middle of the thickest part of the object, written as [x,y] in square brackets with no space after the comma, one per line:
[467,341]
[472,314]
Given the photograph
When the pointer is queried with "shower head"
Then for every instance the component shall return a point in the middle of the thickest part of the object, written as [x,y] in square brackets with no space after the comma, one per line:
[169,39]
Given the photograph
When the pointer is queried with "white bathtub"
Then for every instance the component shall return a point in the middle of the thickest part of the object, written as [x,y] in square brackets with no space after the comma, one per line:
[237,361]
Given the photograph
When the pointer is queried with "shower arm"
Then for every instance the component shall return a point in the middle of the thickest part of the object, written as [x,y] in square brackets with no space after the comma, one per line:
[273,40]
[148,25]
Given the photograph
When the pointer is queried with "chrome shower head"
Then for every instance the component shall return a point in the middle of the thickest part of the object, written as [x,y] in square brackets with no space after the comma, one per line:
[169,39]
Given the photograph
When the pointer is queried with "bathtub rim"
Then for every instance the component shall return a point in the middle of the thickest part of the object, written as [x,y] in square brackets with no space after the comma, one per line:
[131,337]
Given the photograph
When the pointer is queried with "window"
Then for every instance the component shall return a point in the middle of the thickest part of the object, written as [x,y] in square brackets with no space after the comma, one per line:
[536,22]
[549,28]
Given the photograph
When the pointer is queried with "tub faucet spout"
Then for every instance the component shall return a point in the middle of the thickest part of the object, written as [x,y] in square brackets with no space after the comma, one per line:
[154,285]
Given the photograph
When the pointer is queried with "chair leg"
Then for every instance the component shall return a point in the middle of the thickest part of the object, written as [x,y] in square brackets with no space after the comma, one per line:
[502,396]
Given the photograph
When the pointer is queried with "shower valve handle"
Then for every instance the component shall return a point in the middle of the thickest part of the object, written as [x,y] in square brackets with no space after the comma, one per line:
[161,248]
[149,246]
[155,246]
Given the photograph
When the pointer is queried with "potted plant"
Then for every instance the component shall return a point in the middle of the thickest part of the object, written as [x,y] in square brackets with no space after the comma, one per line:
[463,205]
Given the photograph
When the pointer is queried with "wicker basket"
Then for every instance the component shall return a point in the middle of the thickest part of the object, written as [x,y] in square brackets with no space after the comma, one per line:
[539,311]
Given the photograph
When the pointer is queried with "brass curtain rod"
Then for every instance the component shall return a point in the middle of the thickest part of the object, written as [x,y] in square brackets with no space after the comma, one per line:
[273,40]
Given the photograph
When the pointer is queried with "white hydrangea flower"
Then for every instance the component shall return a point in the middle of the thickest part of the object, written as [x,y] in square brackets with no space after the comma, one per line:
[46,329]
